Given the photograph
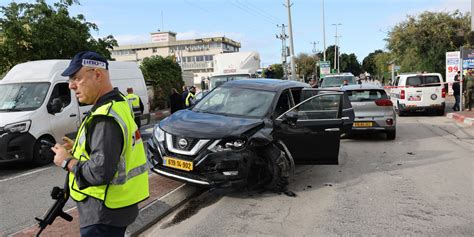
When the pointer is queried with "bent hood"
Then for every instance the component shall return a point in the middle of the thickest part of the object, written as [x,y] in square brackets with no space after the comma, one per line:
[207,126]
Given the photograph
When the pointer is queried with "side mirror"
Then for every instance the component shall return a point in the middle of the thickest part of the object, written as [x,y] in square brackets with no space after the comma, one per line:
[291,117]
[55,106]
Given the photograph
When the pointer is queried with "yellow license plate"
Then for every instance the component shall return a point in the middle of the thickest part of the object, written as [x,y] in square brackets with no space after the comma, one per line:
[362,124]
[177,164]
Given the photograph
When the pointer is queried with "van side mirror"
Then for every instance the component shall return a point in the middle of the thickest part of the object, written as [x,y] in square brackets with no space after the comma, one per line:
[55,106]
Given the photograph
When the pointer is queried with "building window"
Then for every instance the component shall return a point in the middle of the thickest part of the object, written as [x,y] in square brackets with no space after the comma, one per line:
[199,58]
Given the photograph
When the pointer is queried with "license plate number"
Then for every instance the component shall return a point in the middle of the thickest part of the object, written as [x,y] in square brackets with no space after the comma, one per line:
[177,164]
[362,124]
[414,98]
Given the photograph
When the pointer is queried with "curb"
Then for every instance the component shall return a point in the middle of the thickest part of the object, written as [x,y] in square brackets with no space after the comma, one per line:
[461,118]
[158,209]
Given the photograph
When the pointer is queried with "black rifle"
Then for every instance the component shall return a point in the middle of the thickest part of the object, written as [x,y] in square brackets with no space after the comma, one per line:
[61,195]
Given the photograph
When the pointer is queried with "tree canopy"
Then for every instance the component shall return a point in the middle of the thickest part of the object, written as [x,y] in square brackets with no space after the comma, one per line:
[35,31]
[164,74]
[420,42]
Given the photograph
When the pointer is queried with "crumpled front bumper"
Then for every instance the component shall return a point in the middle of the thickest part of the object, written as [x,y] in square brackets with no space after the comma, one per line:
[211,169]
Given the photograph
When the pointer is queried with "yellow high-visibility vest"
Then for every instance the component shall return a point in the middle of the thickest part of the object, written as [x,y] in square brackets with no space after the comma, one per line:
[135,103]
[130,182]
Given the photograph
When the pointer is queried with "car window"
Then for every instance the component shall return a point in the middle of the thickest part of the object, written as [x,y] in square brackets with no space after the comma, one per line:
[61,91]
[324,106]
[366,95]
[423,81]
[335,81]
[283,104]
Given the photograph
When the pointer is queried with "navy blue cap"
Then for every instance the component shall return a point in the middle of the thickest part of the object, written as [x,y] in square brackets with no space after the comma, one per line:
[85,58]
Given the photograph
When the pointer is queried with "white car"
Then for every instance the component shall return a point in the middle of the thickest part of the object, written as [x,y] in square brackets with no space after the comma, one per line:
[421,92]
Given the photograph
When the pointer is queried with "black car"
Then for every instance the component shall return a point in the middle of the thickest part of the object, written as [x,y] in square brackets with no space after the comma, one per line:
[249,132]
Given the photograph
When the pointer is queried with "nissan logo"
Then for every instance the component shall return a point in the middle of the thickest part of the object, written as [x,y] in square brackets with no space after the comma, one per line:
[182,143]
[434,96]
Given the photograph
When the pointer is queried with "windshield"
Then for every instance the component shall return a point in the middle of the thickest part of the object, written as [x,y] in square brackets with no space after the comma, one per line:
[236,101]
[335,81]
[22,96]
[219,80]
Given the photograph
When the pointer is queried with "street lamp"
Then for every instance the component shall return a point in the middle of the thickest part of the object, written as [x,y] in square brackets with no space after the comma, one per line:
[336,52]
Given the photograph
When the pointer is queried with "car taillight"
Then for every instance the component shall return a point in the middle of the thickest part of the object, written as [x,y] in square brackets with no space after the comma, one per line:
[383,102]
[402,94]
[443,92]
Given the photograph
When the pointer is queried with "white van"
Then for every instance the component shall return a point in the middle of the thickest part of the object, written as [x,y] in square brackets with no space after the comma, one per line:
[36,104]
[413,92]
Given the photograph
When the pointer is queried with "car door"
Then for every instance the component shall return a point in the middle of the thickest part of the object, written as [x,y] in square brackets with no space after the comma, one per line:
[311,129]
[348,115]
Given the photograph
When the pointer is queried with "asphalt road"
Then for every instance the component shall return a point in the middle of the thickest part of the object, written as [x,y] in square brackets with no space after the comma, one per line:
[25,192]
[422,183]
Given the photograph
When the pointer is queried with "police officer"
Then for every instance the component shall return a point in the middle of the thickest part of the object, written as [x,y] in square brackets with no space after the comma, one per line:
[190,98]
[106,164]
[136,104]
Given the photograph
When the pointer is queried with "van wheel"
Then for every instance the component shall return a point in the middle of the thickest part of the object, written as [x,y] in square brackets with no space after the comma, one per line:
[391,134]
[42,155]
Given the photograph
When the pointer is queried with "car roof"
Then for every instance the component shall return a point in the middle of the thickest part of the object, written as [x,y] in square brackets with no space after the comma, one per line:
[265,84]
[361,87]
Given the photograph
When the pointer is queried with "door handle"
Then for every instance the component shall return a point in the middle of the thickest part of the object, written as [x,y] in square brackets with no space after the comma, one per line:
[72,115]
[345,118]
[84,113]
[332,130]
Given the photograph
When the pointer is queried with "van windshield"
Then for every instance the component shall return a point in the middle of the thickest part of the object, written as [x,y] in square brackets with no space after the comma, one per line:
[22,96]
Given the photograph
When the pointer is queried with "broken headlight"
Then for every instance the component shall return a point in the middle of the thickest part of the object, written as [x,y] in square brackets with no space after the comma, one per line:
[228,145]
[158,134]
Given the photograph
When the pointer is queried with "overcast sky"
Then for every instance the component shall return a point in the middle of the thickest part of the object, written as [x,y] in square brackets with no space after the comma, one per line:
[254,22]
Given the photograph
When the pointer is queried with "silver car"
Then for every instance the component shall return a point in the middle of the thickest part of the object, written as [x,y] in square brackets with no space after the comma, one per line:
[373,109]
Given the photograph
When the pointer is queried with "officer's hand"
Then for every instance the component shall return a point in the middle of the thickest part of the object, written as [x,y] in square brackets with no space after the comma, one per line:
[68,143]
[61,154]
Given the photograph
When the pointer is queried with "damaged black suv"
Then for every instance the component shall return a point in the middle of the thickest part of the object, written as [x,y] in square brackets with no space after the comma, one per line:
[250,132]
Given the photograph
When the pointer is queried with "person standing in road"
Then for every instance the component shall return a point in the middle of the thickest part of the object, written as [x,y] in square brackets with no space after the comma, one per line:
[190,99]
[468,88]
[456,92]
[176,101]
[106,165]
[136,104]
[313,83]
[184,95]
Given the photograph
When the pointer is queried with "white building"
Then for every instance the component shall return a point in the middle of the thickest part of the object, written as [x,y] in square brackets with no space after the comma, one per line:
[194,55]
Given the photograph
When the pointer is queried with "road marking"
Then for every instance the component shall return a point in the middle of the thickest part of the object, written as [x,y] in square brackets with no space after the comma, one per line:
[25,174]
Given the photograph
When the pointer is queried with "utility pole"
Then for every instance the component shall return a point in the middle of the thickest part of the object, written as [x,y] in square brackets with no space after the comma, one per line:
[283,36]
[338,53]
[292,50]
[335,46]
[315,51]
[324,36]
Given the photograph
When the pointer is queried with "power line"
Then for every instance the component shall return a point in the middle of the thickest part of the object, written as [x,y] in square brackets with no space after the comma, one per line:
[263,12]
[246,11]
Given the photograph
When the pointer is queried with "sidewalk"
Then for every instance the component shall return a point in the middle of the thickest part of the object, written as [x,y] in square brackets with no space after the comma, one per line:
[466,117]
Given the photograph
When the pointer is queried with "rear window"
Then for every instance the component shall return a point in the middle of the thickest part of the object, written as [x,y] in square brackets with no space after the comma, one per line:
[423,81]
[366,95]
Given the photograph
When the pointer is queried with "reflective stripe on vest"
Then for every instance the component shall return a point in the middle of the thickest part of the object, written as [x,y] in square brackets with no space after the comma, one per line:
[190,97]
[135,103]
[130,182]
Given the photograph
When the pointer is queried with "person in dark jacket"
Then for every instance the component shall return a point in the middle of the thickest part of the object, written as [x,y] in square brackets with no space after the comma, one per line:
[176,101]
[184,95]
[456,92]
